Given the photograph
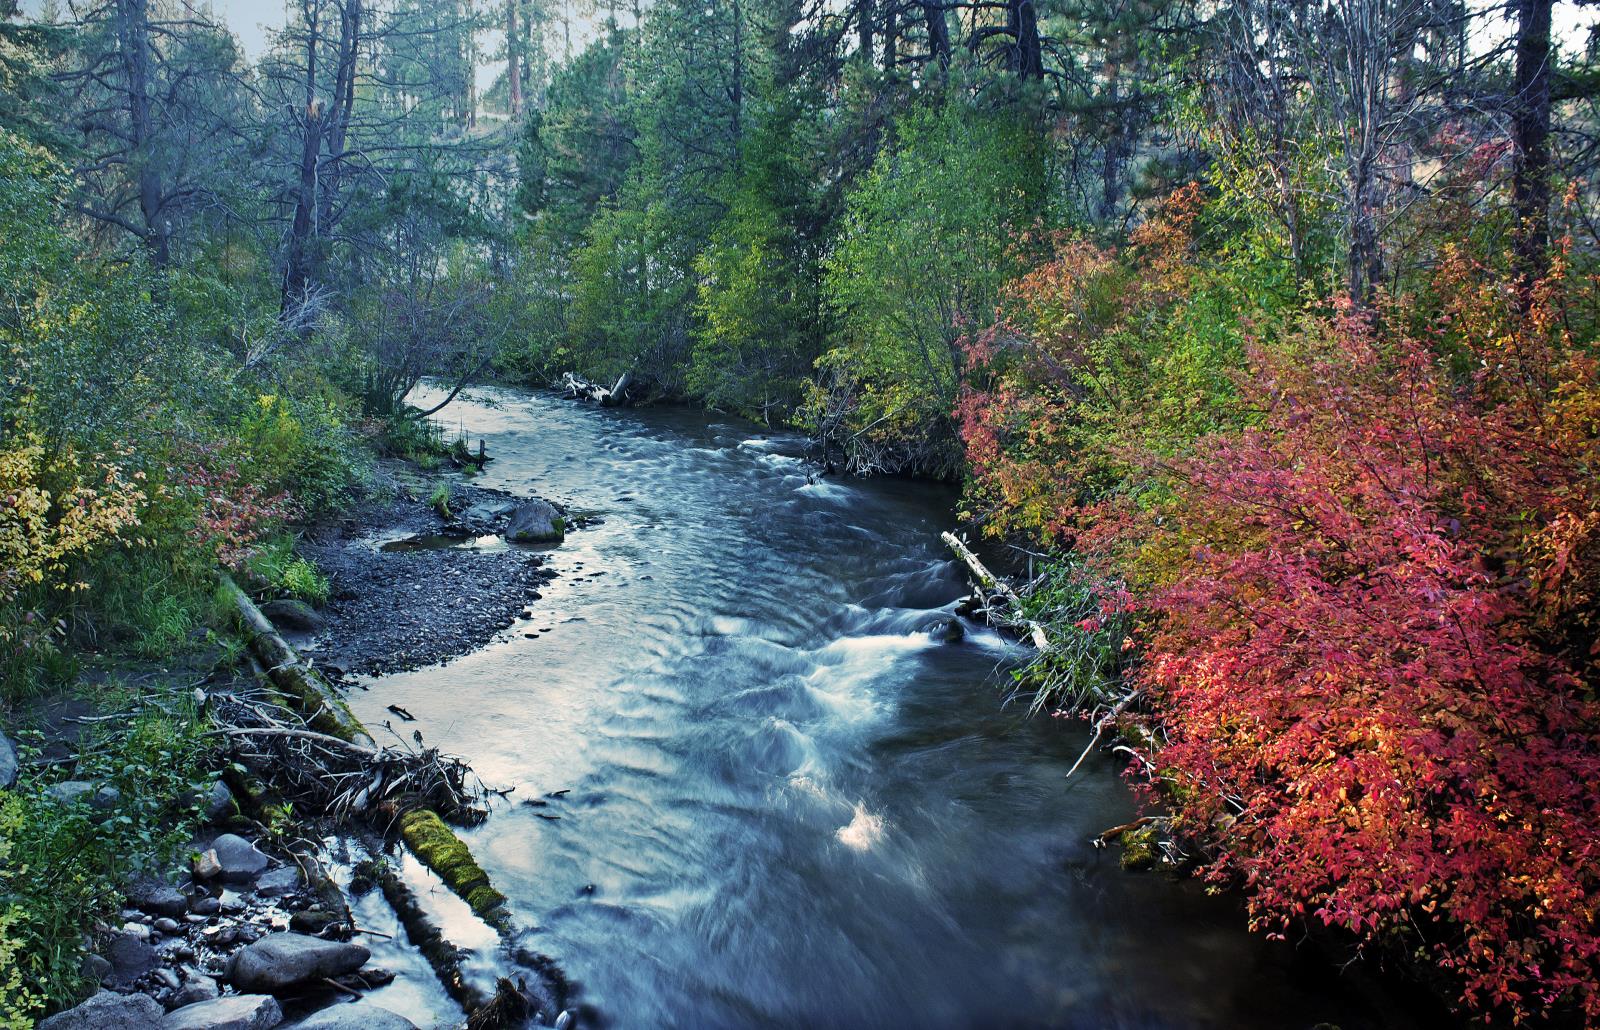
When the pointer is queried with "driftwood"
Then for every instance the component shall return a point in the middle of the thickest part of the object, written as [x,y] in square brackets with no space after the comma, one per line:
[989,581]
[575,387]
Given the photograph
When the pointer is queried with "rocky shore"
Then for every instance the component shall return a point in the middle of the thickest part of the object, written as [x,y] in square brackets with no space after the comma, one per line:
[413,585]
[252,934]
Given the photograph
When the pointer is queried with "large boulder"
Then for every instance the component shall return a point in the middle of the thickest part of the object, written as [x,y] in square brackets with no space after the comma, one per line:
[536,522]
[290,616]
[235,1012]
[8,762]
[108,1011]
[282,960]
[358,1015]
[232,859]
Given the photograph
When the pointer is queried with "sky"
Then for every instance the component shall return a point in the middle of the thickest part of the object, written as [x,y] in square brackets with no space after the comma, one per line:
[253,20]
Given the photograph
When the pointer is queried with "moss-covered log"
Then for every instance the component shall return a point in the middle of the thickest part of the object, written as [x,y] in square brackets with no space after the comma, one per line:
[425,936]
[442,851]
[318,702]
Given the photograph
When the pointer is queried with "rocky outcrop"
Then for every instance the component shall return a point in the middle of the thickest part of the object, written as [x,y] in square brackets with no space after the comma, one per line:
[281,960]
[108,1011]
[237,1012]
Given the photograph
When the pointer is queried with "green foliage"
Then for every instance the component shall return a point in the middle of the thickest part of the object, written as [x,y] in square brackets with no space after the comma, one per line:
[289,574]
[60,865]
[439,499]
[927,243]
[1084,620]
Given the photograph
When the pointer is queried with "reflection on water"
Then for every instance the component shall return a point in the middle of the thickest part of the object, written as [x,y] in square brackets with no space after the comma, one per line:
[787,803]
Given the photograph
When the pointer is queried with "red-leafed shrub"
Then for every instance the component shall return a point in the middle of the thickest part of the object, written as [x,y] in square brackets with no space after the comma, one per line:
[1372,669]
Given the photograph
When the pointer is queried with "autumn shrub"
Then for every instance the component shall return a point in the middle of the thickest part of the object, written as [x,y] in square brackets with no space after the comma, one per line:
[1369,646]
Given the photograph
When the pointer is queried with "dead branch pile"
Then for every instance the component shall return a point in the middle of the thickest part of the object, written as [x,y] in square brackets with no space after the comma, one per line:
[342,778]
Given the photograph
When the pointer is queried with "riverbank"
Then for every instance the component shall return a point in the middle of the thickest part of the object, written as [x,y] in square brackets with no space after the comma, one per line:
[234,920]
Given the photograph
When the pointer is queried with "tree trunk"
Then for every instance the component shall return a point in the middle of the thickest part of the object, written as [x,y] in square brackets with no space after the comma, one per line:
[1531,137]
[133,40]
[513,77]
[938,33]
[298,262]
[891,32]
[864,30]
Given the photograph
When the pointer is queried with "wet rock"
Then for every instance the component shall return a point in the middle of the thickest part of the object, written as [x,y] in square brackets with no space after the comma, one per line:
[536,522]
[218,803]
[166,925]
[485,513]
[108,1011]
[206,866]
[232,902]
[157,898]
[136,929]
[169,978]
[131,957]
[237,860]
[293,616]
[357,1015]
[206,906]
[946,630]
[282,960]
[278,882]
[8,762]
[236,1012]
[96,969]
[198,988]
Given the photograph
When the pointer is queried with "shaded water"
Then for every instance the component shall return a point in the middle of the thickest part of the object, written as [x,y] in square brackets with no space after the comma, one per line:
[787,804]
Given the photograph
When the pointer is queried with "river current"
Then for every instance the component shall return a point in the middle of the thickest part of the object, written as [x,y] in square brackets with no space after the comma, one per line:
[786,803]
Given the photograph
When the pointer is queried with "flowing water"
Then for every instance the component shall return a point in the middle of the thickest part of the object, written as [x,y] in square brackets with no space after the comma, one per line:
[787,804]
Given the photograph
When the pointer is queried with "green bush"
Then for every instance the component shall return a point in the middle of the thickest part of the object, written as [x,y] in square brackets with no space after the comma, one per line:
[288,573]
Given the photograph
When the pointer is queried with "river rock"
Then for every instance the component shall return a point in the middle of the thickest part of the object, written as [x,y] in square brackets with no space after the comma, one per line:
[946,630]
[484,513]
[237,860]
[218,803]
[293,616]
[236,1012]
[131,957]
[108,1011]
[536,522]
[157,898]
[198,988]
[281,960]
[8,762]
[96,969]
[278,882]
[357,1015]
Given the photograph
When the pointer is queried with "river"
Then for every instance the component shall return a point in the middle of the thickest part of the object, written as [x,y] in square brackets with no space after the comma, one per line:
[787,805]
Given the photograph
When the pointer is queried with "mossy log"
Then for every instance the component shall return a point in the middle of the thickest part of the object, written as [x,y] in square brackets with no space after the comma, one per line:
[425,936]
[323,708]
[442,851]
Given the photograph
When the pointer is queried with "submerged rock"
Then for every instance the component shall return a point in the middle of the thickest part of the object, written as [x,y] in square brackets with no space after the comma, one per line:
[237,1012]
[946,630]
[282,960]
[536,522]
[108,1011]
[358,1015]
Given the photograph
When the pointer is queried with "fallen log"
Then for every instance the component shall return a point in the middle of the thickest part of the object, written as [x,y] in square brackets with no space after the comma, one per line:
[575,387]
[334,727]
[990,581]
